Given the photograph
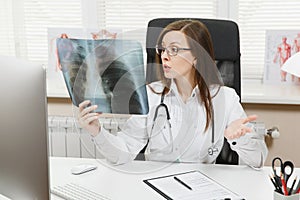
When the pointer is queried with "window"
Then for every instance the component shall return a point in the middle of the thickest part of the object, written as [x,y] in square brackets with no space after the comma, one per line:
[39,15]
[7,42]
[254,18]
[24,23]
[134,15]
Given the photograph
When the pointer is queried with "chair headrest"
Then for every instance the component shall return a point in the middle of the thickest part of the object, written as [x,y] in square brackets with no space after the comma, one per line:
[224,33]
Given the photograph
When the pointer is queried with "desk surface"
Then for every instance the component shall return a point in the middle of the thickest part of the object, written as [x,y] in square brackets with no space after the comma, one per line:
[126,181]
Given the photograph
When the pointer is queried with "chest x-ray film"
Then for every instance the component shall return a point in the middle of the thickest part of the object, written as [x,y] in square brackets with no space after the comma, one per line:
[109,72]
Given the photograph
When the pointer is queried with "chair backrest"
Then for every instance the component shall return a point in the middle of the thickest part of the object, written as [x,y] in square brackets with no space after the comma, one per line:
[225,38]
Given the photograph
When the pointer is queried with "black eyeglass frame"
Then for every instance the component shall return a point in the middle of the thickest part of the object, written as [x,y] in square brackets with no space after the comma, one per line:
[159,49]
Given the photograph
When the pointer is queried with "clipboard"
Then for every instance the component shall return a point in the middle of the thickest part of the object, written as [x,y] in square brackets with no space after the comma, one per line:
[189,186]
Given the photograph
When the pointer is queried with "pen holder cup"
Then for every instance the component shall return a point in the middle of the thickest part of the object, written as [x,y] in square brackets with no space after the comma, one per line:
[278,196]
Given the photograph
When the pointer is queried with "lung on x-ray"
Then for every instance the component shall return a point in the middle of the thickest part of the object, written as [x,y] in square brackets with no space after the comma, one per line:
[109,72]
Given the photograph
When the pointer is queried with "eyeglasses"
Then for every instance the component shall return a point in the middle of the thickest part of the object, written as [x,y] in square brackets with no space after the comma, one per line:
[171,50]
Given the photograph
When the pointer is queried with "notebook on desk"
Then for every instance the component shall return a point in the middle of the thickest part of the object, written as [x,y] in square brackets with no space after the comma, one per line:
[109,72]
[190,185]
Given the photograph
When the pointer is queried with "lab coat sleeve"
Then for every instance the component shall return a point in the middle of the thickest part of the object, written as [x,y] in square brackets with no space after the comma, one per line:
[126,144]
[251,148]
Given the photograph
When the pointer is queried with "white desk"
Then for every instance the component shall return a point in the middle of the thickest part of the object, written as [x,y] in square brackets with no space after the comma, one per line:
[125,181]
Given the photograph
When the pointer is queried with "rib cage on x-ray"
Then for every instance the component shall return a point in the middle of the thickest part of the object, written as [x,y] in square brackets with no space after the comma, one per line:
[110,73]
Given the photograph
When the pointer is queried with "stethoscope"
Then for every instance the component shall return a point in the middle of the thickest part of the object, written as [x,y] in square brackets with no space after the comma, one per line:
[156,115]
[211,150]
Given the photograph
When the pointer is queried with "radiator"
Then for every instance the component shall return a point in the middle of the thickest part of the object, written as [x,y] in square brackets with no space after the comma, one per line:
[67,139]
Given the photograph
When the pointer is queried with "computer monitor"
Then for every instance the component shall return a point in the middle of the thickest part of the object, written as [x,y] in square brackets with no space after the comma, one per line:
[23,130]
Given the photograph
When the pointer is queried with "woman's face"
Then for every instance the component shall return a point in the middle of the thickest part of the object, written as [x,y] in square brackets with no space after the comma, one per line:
[180,65]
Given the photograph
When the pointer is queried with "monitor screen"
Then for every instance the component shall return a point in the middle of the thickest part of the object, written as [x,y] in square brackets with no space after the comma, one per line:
[23,130]
[109,72]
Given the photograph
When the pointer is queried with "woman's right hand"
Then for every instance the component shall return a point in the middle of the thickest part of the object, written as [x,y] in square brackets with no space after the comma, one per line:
[88,119]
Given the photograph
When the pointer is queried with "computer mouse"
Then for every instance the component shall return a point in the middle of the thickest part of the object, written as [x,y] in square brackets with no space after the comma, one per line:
[83,168]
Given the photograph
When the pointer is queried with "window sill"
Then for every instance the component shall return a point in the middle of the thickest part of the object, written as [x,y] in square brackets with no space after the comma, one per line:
[252,92]
[57,90]
[277,93]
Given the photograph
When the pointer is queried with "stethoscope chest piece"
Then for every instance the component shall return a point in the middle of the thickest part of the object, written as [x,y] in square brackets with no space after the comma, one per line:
[212,150]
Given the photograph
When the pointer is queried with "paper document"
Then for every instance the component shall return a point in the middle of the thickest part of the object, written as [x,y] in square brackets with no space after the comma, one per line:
[190,185]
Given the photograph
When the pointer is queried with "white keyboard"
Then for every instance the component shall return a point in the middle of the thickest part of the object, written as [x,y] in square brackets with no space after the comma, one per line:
[73,191]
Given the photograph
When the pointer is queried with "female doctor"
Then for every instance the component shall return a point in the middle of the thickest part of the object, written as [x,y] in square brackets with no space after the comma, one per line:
[190,109]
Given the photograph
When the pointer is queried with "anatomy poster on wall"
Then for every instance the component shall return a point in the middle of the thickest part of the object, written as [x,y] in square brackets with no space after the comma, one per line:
[281,46]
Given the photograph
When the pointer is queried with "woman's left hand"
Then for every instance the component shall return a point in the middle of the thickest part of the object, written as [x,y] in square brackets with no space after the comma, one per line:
[238,128]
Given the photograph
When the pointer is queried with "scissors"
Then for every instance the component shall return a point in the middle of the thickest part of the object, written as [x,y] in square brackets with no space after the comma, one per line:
[286,169]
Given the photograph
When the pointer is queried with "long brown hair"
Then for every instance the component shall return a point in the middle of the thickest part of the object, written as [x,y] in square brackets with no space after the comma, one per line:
[206,72]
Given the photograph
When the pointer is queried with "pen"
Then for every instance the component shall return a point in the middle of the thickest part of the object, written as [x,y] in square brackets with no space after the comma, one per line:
[183,183]
[277,188]
[278,182]
[232,199]
[297,189]
[293,184]
[284,185]
[292,187]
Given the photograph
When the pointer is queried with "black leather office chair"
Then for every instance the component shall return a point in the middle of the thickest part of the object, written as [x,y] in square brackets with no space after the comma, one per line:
[225,37]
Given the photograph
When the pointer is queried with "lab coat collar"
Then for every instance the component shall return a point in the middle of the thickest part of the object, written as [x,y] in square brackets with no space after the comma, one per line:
[174,89]
[214,88]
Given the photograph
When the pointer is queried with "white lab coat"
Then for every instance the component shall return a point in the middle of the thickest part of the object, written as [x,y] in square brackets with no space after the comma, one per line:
[190,142]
